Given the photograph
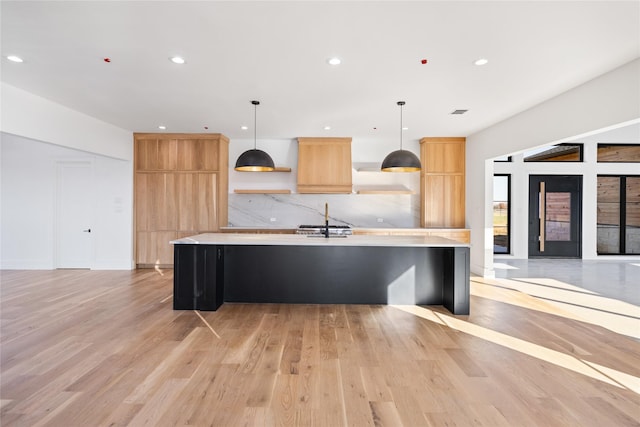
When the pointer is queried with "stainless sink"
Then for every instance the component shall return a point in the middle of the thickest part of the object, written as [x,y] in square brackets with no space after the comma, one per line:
[320,230]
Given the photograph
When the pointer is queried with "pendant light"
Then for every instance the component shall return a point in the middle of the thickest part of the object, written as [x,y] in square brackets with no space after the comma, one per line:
[401,160]
[254,160]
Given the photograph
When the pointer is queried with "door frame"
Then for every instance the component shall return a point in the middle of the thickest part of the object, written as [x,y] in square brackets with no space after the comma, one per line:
[576,214]
[57,234]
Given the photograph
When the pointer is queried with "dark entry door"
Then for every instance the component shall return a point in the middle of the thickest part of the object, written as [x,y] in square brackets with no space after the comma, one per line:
[555,216]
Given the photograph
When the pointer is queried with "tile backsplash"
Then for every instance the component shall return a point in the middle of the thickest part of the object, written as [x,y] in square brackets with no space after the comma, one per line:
[356,210]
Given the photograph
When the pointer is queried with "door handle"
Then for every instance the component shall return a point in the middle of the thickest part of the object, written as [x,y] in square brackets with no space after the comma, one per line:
[88,230]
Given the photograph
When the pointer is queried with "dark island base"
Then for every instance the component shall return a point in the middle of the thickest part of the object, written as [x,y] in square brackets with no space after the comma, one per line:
[205,276]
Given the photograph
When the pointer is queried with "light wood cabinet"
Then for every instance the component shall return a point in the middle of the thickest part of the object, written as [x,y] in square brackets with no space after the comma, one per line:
[153,248]
[198,201]
[324,165]
[442,182]
[153,154]
[181,186]
[197,155]
[156,203]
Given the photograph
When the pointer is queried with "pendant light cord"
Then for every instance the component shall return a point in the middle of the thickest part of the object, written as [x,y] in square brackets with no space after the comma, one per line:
[401,103]
[401,126]
[255,123]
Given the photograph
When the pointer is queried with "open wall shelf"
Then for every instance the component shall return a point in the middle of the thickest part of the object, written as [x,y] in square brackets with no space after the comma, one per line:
[251,191]
[382,189]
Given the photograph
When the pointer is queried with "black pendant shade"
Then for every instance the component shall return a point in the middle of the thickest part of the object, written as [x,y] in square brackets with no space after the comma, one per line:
[254,160]
[401,160]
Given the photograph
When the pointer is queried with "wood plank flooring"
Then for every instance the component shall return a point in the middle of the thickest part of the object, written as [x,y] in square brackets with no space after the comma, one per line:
[105,348]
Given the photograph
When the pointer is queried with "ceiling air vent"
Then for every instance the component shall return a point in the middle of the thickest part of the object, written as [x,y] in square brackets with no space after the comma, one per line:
[459,111]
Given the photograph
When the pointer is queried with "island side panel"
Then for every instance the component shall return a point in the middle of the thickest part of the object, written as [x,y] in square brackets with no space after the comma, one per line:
[184,277]
[334,274]
[198,277]
[457,275]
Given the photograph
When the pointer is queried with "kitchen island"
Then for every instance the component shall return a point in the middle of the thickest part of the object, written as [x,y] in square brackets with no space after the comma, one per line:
[213,268]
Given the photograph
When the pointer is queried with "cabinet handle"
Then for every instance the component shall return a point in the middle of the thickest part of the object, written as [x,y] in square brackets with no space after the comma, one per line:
[88,230]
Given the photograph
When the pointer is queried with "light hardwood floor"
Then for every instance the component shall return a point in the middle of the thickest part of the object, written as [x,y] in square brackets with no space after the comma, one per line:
[95,348]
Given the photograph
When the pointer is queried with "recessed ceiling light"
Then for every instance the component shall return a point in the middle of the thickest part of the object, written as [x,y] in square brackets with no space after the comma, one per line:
[177,60]
[405,128]
[481,61]
[334,61]
[162,127]
[244,127]
[14,58]
[327,128]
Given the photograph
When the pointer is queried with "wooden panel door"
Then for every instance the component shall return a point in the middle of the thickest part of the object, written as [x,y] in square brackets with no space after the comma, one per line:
[324,165]
[444,155]
[442,182]
[156,154]
[197,155]
[153,247]
[156,216]
[207,205]
[197,198]
[444,206]
[156,201]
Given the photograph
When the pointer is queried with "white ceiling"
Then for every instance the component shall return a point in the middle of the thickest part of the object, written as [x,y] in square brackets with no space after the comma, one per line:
[276,52]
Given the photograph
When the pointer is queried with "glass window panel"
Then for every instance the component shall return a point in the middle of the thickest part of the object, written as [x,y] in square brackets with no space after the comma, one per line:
[609,214]
[558,217]
[608,228]
[608,239]
[555,153]
[626,153]
[632,235]
[633,189]
[501,214]
[632,218]
[608,189]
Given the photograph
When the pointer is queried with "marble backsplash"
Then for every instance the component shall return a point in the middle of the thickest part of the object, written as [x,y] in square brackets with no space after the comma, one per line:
[355,210]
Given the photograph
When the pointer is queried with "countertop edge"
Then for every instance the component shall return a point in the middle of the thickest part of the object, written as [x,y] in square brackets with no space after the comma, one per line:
[301,240]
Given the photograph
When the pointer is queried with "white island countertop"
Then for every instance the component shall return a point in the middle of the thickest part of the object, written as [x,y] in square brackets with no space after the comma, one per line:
[302,240]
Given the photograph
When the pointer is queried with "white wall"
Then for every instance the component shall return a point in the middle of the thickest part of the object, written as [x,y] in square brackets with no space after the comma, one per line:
[25,114]
[28,185]
[36,132]
[610,100]
[284,152]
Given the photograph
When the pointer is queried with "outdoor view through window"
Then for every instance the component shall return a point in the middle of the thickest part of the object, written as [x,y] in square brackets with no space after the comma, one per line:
[501,214]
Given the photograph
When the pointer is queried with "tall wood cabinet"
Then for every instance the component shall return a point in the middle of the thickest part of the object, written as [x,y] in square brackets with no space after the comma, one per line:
[180,189]
[442,182]
[324,165]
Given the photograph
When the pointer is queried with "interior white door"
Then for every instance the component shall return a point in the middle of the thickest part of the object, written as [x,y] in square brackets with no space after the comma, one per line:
[74,247]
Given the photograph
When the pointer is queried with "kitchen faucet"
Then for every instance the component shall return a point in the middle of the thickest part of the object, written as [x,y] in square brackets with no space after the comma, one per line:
[326,220]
